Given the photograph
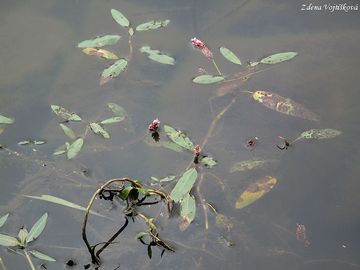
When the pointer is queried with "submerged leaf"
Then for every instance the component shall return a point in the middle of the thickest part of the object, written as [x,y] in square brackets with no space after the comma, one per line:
[99,130]
[99,41]
[178,137]
[248,165]
[3,219]
[229,55]
[75,148]
[61,149]
[188,207]
[152,25]
[184,185]
[223,221]
[157,56]
[100,53]
[319,134]
[208,79]
[117,110]
[255,191]
[68,131]
[169,145]
[284,105]
[64,113]
[120,18]
[41,256]
[113,71]
[208,162]
[37,228]
[112,120]
[8,241]
[278,58]
[164,180]
[6,120]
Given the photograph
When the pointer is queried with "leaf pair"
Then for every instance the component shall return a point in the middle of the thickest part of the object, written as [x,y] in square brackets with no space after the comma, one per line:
[71,150]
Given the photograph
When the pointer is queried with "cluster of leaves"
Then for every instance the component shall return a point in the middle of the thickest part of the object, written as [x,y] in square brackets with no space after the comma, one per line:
[91,46]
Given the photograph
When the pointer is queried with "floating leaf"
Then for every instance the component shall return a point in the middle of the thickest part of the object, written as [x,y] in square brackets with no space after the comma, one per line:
[75,148]
[3,219]
[152,25]
[112,120]
[169,145]
[208,79]
[68,131]
[56,200]
[39,142]
[22,236]
[158,56]
[24,142]
[255,191]
[99,41]
[278,57]
[37,228]
[113,71]
[120,18]
[61,149]
[178,137]
[6,120]
[164,180]
[64,113]
[42,256]
[208,162]
[100,53]
[8,241]
[117,110]
[284,105]
[99,130]
[184,185]
[229,55]
[248,165]
[188,207]
[319,134]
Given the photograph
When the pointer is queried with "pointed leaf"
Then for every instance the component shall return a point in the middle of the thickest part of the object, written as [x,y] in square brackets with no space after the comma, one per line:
[113,71]
[99,41]
[152,25]
[3,219]
[188,207]
[184,185]
[255,191]
[64,113]
[37,228]
[248,165]
[208,79]
[319,134]
[60,150]
[229,55]
[38,142]
[8,241]
[284,105]
[99,130]
[22,236]
[75,148]
[164,180]
[42,256]
[24,142]
[6,120]
[100,53]
[278,57]
[117,110]
[158,56]
[178,137]
[68,131]
[208,162]
[112,120]
[120,18]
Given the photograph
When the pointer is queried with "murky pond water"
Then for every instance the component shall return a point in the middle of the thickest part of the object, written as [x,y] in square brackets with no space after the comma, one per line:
[317,180]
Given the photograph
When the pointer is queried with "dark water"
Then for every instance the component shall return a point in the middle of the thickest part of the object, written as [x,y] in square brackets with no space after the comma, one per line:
[318,181]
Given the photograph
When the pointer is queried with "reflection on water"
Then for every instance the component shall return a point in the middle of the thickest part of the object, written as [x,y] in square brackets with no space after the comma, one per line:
[317,180]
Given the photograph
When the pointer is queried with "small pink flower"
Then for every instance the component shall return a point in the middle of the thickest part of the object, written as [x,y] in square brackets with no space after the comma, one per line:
[154,126]
[206,51]
[197,43]
[197,149]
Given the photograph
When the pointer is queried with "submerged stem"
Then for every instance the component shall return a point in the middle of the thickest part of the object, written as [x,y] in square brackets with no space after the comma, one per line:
[2,264]
[29,260]
[216,67]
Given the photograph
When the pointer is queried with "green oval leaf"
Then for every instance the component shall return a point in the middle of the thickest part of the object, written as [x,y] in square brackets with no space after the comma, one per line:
[42,256]
[188,208]
[100,53]
[184,185]
[68,131]
[75,148]
[99,130]
[158,56]
[6,120]
[208,162]
[120,18]
[65,113]
[278,58]
[113,71]
[22,236]
[37,228]
[230,56]
[178,137]
[208,79]
[99,41]
[169,145]
[152,25]
[8,241]
[112,120]
[3,219]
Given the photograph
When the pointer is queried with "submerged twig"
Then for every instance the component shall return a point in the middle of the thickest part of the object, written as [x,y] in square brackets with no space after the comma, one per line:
[29,260]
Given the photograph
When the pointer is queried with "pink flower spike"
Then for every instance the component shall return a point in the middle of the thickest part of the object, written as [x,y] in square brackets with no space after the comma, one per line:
[154,126]
[197,149]
[197,43]
[207,53]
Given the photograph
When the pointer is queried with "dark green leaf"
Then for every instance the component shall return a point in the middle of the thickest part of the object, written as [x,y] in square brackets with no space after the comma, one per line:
[3,219]
[112,120]
[6,120]
[120,18]
[158,56]
[113,71]
[151,25]
[229,55]
[42,256]
[64,113]
[278,58]
[188,207]
[208,79]
[99,130]
[68,131]
[99,41]
[37,228]
[124,194]
[208,162]
[8,241]
[184,185]
[178,137]
[75,148]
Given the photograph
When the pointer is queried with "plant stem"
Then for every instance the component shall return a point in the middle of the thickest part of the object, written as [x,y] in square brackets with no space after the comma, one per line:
[216,67]
[29,260]
[2,264]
